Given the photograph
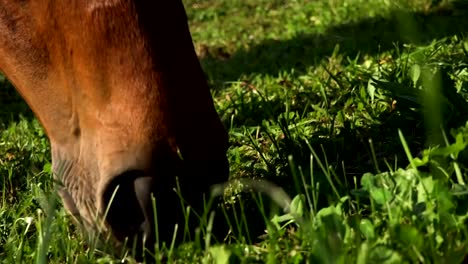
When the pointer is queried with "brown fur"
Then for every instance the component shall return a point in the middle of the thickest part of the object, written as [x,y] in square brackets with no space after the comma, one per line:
[118,87]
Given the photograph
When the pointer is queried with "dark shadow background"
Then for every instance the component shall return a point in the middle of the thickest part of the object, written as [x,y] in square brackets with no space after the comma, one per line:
[12,106]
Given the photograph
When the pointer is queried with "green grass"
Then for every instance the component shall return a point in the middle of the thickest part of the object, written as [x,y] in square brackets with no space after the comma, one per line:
[355,109]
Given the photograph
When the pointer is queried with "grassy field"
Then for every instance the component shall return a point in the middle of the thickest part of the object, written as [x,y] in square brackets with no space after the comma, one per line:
[355,109]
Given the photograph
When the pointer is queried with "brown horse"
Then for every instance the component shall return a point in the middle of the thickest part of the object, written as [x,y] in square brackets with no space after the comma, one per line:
[121,94]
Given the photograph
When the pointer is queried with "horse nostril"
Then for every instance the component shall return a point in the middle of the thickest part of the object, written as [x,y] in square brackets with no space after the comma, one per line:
[128,200]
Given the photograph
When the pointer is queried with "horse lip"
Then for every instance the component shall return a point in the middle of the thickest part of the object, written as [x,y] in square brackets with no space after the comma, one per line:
[143,191]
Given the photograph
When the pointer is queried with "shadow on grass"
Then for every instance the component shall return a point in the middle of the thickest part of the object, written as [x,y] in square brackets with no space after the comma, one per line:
[349,153]
[369,36]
